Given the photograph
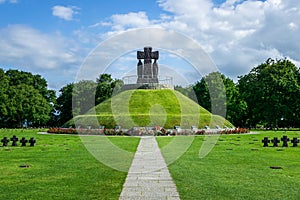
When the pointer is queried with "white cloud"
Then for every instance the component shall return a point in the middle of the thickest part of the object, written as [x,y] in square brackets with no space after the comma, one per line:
[9,1]
[120,22]
[43,51]
[50,55]
[131,41]
[237,34]
[293,26]
[64,12]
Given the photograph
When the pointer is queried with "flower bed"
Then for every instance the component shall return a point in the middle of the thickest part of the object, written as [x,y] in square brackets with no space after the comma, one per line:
[83,131]
[223,131]
[160,132]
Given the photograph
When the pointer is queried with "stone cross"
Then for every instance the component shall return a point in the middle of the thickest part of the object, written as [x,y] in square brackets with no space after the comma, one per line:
[285,140]
[266,141]
[295,142]
[148,72]
[23,141]
[32,141]
[275,142]
[14,140]
[5,141]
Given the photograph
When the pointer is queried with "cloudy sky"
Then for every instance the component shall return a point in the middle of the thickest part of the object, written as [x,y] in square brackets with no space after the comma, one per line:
[55,38]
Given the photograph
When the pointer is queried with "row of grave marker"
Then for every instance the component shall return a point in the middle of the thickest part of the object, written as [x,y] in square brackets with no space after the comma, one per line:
[14,140]
[284,140]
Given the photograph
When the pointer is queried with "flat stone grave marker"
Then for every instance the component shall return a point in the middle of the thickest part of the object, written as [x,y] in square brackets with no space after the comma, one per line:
[32,141]
[25,166]
[295,142]
[23,141]
[275,167]
[275,142]
[5,141]
[279,149]
[14,140]
[285,140]
[266,141]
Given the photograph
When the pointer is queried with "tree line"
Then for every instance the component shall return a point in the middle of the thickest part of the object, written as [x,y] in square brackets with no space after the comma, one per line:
[25,100]
[269,96]
[77,98]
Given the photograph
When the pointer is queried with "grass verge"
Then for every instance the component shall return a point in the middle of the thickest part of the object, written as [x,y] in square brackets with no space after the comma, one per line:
[238,167]
[60,168]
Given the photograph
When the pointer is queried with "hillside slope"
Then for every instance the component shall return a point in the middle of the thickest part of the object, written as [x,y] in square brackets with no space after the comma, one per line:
[165,108]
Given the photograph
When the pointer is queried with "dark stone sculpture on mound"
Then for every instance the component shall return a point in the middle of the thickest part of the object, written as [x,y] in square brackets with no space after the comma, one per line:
[147,72]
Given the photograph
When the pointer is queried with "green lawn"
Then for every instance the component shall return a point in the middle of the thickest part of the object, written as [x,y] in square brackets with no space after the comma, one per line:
[60,168]
[238,167]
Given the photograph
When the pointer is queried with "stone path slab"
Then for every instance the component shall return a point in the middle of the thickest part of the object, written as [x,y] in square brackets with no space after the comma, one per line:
[148,176]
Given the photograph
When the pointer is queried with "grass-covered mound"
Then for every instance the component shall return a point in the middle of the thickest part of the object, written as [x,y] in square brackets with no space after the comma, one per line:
[165,108]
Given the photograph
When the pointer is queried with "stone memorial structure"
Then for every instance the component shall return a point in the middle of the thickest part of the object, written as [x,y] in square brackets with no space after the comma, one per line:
[295,142]
[266,141]
[14,140]
[275,142]
[32,141]
[285,140]
[5,141]
[23,141]
[147,72]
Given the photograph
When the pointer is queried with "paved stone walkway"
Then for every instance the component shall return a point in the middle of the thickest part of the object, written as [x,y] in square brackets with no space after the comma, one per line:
[148,176]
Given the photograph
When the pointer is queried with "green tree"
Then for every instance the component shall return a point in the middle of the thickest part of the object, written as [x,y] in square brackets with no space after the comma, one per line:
[3,96]
[24,98]
[211,94]
[25,104]
[83,96]
[17,77]
[224,94]
[187,91]
[202,94]
[106,87]
[77,98]
[54,117]
[271,91]
[236,107]
[64,104]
